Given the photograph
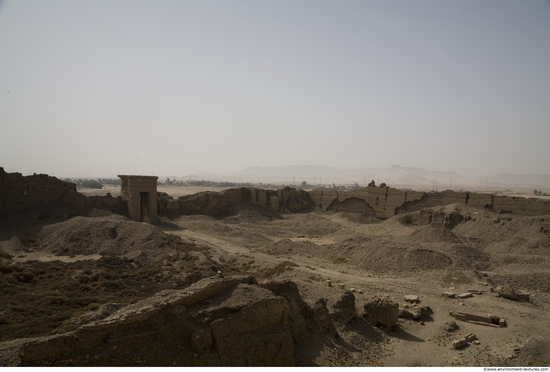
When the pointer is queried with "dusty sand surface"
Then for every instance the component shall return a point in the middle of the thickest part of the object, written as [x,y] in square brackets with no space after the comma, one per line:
[59,276]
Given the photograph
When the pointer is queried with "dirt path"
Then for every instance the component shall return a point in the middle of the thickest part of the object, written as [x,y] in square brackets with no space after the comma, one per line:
[413,343]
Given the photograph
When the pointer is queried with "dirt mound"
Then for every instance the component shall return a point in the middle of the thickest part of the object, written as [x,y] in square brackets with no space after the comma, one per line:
[358,218]
[429,234]
[448,216]
[353,205]
[111,235]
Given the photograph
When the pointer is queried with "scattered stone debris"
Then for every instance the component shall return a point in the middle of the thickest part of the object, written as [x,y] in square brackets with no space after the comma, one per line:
[449,294]
[491,320]
[415,312]
[508,292]
[411,298]
[457,344]
[451,326]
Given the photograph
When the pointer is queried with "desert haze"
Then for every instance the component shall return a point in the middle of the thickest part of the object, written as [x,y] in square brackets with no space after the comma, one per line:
[271,277]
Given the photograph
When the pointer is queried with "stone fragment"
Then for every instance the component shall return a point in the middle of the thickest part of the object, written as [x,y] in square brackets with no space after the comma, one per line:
[415,313]
[449,294]
[411,298]
[451,326]
[508,292]
[474,291]
[329,283]
[523,296]
[465,295]
[502,323]
[457,344]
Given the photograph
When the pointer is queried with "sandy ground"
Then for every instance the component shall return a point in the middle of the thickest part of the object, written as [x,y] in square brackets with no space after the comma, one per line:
[326,254]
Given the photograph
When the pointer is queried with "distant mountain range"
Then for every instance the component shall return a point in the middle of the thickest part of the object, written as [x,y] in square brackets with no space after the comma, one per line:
[394,176]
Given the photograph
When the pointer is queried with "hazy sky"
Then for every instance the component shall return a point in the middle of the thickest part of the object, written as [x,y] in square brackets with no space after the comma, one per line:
[104,87]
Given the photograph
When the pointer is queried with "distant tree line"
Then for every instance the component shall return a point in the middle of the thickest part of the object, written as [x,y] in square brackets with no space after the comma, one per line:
[92,183]
[539,193]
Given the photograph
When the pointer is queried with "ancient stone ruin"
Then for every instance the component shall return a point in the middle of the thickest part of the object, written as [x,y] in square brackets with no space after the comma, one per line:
[140,195]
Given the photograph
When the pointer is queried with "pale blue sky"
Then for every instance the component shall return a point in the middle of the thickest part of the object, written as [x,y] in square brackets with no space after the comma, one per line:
[105,87]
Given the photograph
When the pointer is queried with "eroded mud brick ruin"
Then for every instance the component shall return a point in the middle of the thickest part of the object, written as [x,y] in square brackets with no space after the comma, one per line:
[156,299]
[140,195]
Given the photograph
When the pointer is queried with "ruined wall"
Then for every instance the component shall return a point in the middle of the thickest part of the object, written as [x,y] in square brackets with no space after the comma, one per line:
[214,322]
[386,202]
[222,203]
[19,194]
[42,196]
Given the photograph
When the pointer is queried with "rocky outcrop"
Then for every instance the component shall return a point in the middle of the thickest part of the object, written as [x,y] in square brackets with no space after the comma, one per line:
[322,318]
[344,308]
[381,311]
[214,322]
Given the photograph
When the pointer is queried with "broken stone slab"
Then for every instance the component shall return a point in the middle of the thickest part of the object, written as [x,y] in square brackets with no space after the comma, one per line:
[523,296]
[415,313]
[465,295]
[449,294]
[508,292]
[474,291]
[457,344]
[411,298]
[490,320]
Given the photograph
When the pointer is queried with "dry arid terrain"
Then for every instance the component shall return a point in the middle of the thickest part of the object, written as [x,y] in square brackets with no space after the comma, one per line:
[58,275]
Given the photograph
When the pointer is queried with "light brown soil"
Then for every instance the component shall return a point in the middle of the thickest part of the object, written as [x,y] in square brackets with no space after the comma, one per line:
[370,256]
